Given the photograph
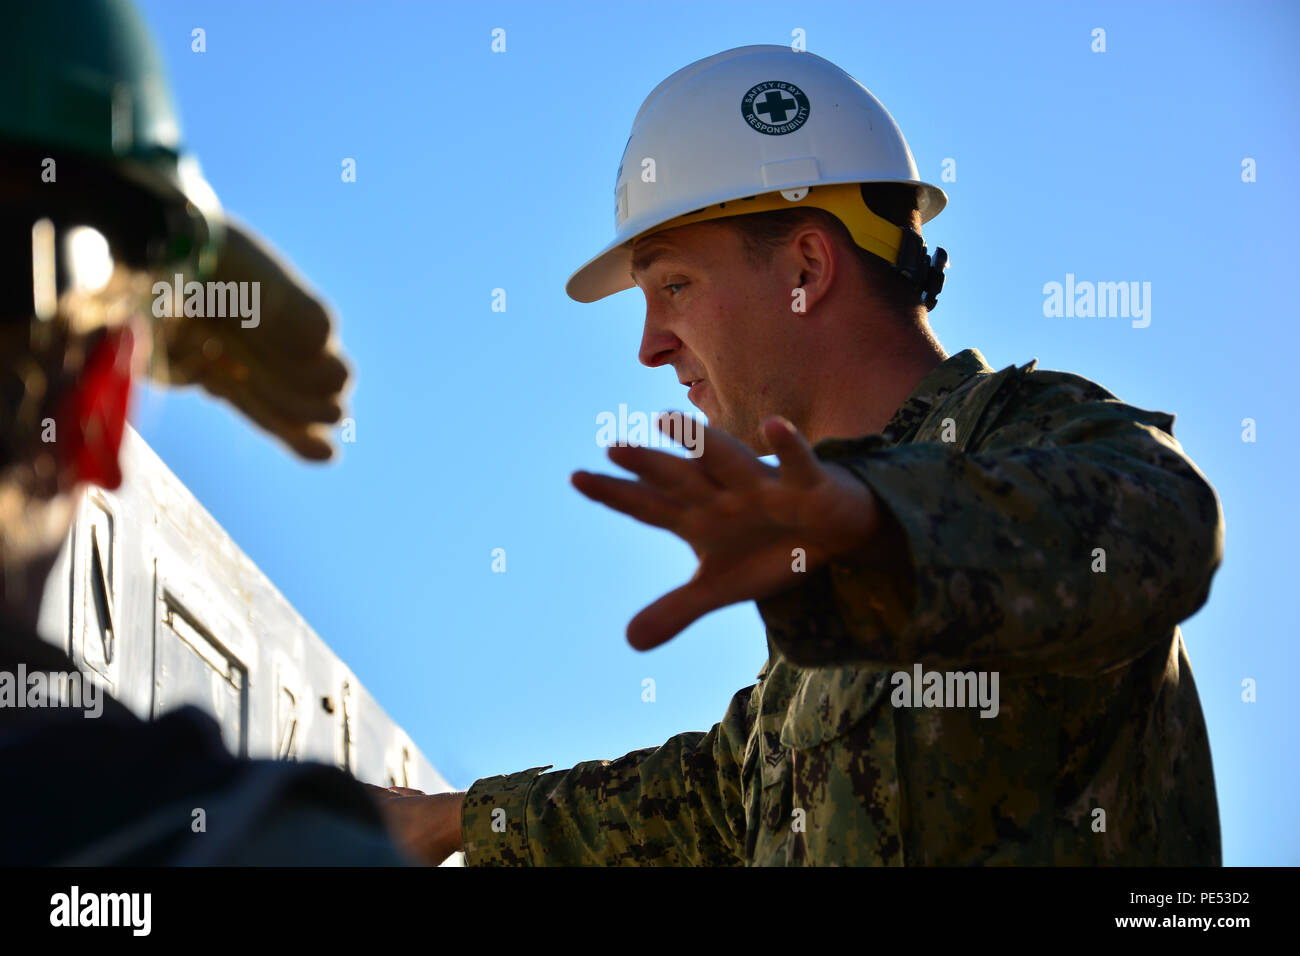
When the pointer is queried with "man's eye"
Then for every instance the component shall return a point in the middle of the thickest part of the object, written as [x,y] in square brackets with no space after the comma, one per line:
[672,287]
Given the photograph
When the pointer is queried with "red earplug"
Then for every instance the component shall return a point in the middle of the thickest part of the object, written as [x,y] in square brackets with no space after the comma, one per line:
[93,419]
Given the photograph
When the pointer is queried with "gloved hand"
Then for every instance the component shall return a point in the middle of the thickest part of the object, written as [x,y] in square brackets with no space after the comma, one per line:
[286,373]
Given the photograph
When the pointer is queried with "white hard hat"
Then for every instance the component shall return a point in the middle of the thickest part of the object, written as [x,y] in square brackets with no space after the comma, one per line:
[756,129]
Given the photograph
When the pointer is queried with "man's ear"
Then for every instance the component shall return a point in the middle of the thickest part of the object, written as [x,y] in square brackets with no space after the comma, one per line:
[92,417]
[815,258]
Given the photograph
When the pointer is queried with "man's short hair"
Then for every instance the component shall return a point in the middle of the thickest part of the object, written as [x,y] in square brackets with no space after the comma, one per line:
[762,233]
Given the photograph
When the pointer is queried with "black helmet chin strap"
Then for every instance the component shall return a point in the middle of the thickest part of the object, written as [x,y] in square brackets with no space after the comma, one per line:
[918,268]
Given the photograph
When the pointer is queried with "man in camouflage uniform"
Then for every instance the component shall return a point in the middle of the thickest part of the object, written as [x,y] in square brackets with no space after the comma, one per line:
[1098,710]
[1022,530]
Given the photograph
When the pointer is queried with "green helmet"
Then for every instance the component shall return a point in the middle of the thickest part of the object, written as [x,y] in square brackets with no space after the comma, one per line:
[84,86]
[90,143]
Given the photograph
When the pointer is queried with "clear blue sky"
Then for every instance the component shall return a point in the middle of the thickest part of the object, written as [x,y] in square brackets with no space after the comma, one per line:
[478,170]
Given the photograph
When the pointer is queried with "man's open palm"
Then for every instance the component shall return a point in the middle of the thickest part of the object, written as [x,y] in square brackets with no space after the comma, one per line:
[743,518]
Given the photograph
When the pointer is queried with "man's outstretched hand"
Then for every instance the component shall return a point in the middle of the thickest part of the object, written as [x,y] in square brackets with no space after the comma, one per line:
[425,825]
[742,517]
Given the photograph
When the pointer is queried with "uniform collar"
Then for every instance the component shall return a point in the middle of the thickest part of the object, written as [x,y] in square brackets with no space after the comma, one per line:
[944,378]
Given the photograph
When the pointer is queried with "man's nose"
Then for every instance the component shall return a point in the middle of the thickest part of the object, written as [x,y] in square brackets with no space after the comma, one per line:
[657,343]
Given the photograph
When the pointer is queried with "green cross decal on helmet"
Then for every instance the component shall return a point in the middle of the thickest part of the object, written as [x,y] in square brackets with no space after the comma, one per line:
[775,108]
[758,129]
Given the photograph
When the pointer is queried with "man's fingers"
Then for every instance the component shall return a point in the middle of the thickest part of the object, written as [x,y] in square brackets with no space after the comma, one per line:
[799,466]
[729,462]
[322,372]
[634,498]
[311,442]
[293,405]
[292,319]
[679,477]
[667,617]
[292,408]
[320,375]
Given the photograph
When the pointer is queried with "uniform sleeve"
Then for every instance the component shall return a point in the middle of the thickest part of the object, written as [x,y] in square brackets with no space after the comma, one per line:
[1072,538]
[674,805]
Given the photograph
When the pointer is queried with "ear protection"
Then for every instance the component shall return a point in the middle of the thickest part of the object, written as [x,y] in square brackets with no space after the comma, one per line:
[92,418]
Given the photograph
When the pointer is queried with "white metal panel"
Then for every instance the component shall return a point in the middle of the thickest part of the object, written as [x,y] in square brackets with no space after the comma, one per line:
[153,598]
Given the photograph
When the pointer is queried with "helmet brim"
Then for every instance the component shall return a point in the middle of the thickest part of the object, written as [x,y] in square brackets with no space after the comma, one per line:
[610,270]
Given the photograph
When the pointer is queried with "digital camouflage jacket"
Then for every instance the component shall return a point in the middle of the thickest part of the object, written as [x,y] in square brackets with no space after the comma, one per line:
[1057,538]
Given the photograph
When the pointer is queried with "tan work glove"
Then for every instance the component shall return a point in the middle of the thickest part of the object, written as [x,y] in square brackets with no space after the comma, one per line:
[286,373]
